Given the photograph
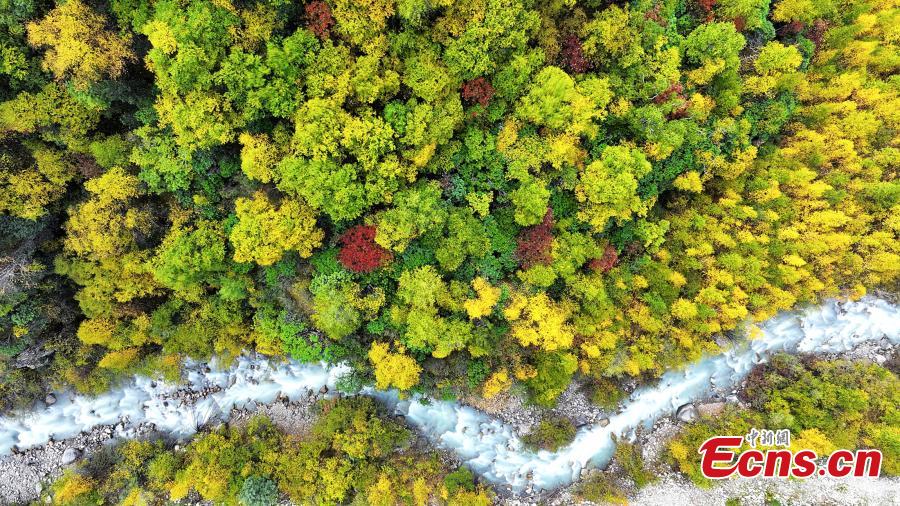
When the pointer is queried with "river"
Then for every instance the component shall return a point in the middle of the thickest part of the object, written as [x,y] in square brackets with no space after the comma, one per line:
[486,445]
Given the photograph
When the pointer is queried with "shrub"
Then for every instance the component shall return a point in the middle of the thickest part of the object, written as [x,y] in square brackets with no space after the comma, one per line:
[550,433]
[258,491]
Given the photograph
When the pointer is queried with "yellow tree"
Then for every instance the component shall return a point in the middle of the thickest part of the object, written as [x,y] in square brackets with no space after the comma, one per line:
[264,231]
[78,44]
[539,321]
[396,370]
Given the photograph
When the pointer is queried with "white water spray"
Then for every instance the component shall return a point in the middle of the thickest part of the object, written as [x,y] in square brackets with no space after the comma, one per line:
[491,449]
[143,400]
[486,445]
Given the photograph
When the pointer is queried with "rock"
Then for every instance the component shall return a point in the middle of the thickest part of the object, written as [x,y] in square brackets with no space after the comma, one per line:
[323,390]
[880,359]
[50,399]
[732,399]
[711,409]
[604,422]
[686,413]
[33,357]
[69,456]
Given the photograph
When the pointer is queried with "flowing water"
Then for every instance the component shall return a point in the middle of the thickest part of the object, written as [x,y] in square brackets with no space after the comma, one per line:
[486,445]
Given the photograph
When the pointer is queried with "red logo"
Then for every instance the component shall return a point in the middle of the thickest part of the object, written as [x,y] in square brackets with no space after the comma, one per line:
[720,459]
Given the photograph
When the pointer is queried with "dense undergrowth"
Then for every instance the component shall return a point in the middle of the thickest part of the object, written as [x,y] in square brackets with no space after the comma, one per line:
[826,404]
[352,455]
[447,196]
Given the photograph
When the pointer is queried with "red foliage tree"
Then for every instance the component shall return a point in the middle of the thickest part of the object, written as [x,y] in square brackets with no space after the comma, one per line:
[534,243]
[680,112]
[572,56]
[360,252]
[675,89]
[816,32]
[655,15]
[478,90]
[319,19]
[607,261]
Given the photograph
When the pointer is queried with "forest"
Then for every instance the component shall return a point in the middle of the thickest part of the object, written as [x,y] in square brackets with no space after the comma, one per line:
[456,199]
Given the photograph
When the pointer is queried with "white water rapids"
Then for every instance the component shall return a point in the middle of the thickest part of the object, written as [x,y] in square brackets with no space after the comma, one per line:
[486,445]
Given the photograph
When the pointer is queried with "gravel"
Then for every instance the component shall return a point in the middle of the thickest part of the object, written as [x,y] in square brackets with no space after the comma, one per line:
[675,489]
[23,475]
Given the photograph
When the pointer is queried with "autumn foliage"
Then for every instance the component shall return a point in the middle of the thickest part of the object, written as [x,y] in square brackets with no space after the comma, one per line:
[359,251]
[199,177]
[607,261]
[478,91]
[572,56]
[319,18]
[534,243]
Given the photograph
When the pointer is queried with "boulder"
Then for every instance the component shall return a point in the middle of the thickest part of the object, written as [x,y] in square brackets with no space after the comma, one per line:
[323,390]
[69,456]
[687,413]
[33,358]
[50,399]
[604,422]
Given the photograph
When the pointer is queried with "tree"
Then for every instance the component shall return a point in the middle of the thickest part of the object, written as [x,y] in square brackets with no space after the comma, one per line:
[189,260]
[483,305]
[553,372]
[530,199]
[776,67]
[478,91]
[319,18]
[80,46]
[466,237]
[714,48]
[105,226]
[393,369]
[539,321]
[533,246]
[607,187]
[414,212]
[572,55]
[359,251]
[485,39]
[30,182]
[422,295]
[554,100]
[265,231]
[362,22]
[340,306]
